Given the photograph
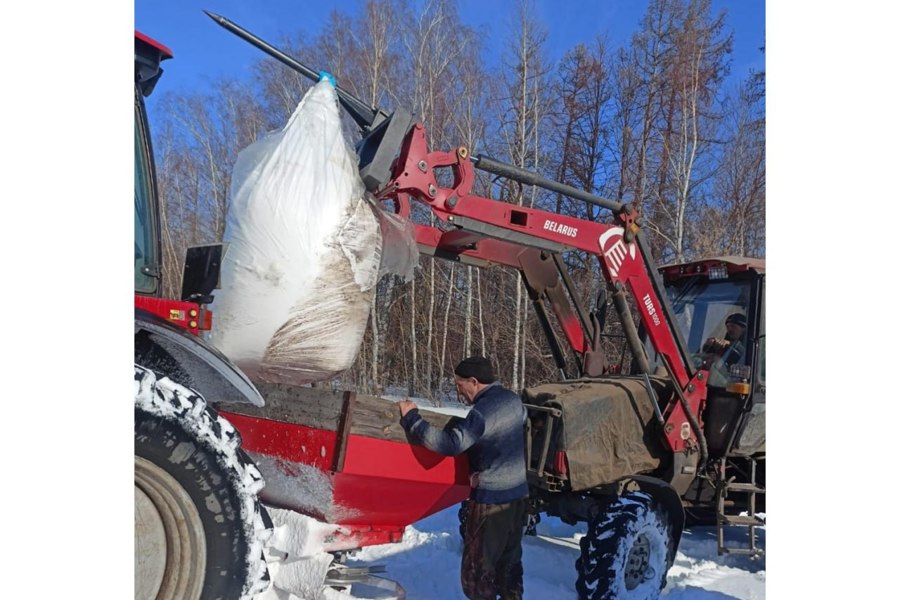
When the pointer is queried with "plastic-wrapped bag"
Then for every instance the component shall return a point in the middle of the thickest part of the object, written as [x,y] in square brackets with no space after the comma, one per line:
[305,251]
[399,254]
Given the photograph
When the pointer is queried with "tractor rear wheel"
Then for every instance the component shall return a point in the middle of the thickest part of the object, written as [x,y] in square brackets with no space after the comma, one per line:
[625,553]
[199,528]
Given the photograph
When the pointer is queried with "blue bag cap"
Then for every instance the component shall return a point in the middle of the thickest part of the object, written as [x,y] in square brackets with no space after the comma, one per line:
[327,77]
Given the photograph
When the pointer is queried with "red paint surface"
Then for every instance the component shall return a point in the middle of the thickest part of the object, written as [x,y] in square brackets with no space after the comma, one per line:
[394,483]
[383,485]
[177,312]
[280,439]
[146,38]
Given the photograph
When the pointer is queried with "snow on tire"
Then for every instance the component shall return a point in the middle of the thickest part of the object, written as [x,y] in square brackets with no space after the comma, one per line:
[625,553]
[199,527]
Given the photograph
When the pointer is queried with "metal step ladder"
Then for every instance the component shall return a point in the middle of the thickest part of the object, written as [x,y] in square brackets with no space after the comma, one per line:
[731,484]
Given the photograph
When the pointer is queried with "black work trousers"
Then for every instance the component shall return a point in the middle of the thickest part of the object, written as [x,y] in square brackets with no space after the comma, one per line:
[492,550]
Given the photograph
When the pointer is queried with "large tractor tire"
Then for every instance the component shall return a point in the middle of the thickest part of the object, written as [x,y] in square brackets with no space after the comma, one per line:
[199,529]
[625,554]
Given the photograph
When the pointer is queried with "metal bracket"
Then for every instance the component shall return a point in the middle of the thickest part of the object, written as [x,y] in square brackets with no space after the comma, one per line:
[363,584]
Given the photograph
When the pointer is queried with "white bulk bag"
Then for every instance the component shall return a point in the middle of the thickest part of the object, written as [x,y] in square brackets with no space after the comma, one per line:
[304,251]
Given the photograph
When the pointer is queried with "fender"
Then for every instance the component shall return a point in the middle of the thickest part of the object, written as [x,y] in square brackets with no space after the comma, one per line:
[666,496]
[189,360]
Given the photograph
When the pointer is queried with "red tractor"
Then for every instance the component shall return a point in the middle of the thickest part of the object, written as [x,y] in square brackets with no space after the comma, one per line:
[623,442]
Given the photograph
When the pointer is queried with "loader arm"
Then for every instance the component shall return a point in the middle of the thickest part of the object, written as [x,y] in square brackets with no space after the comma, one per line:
[484,230]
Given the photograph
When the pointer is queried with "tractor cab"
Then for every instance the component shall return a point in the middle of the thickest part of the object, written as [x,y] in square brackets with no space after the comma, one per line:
[719,307]
[148,54]
[202,263]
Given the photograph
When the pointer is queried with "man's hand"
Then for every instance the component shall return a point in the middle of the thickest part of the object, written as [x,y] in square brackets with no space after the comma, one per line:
[406,406]
[715,345]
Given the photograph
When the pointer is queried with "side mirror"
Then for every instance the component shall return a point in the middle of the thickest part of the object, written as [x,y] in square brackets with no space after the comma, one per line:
[202,267]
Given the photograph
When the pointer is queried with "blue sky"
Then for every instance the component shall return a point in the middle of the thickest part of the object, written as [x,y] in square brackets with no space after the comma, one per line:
[205,52]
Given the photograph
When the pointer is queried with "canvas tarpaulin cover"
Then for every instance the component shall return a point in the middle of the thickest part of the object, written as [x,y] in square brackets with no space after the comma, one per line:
[608,427]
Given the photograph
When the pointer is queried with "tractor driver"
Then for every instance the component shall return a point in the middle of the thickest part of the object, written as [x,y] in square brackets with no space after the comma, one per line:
[720,354]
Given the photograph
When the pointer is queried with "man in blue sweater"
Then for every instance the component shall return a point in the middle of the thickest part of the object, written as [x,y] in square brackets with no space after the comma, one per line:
[493,438]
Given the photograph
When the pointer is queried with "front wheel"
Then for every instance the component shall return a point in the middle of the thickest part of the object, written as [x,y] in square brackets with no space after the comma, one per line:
[199,529]
[625,553]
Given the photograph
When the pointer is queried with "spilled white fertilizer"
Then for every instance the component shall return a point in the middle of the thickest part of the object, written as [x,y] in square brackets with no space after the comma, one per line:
[300,485]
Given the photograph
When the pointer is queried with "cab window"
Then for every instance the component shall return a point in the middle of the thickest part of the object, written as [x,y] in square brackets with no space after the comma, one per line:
[144,237]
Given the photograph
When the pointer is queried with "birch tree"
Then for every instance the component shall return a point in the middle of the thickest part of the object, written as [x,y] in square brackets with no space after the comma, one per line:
[195,157]
[525,108]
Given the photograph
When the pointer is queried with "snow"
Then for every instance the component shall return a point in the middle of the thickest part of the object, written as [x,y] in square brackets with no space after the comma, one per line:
[295,556]
[426,563]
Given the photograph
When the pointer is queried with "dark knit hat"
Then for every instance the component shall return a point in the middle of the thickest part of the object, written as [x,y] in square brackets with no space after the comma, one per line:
[737,319]
[478,367]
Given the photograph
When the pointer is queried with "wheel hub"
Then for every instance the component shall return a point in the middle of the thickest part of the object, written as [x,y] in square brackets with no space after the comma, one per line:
[149,546]
[169,540]
[637,567]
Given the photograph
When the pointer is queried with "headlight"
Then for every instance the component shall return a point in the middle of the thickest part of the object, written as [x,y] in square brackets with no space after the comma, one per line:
[718,272]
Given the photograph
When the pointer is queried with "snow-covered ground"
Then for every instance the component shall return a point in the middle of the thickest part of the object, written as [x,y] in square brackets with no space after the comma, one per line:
[426,562]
